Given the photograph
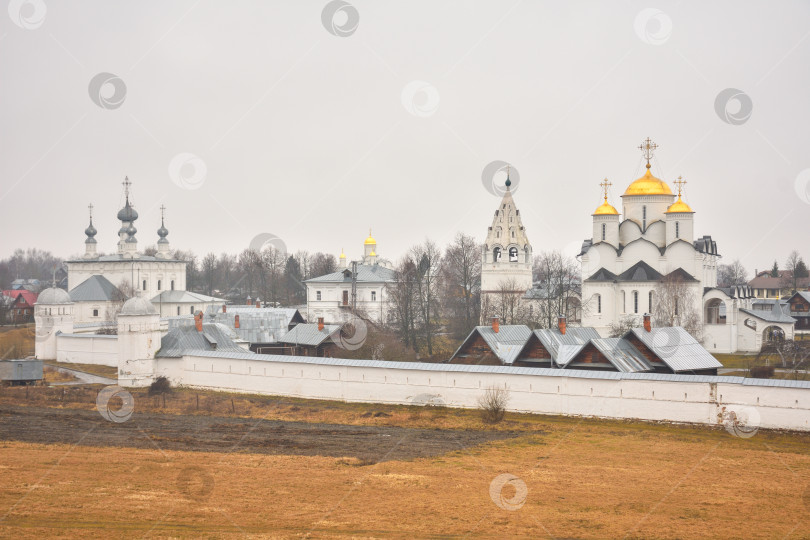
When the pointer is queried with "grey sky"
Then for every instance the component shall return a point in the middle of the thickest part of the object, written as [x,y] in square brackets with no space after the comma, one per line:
[304,134]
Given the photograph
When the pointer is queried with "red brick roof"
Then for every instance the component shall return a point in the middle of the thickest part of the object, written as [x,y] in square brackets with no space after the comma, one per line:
[21,297]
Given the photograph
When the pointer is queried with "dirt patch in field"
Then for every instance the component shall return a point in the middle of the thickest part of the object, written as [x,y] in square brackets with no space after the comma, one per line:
[369,444]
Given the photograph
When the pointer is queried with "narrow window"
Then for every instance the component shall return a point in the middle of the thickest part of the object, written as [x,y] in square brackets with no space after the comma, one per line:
[599,303]
[144,284]
[496,255]
[635,301]
[158,284]
[676,306]
[643,217]
[373,296]
[192,310]
[178,310]
[649,302]
[604,232]
[513,254]
[317,295]
[172,284]
[95,313]
[677,229]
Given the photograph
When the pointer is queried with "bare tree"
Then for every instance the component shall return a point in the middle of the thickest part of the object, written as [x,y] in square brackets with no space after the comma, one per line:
[729,275]
[461,280]
[675,305]
[493,404]
[796,270]
[402,295]
[209,273]
[507,302]
[322,264]
[427,259]
[624,325]
[559,289]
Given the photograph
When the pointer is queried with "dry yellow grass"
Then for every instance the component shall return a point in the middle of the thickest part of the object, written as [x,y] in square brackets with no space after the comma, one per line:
[585,479]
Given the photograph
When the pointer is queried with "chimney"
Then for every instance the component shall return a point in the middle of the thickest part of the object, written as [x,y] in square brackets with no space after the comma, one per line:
[258,303]
[320,324]
[224,308]
[647,322]
[198,321]
[249,302]
[496,325]
[236,321]
[561,324]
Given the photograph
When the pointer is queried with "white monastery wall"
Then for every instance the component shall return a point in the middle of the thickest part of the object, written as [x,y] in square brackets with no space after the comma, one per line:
[689,399]
[87,349]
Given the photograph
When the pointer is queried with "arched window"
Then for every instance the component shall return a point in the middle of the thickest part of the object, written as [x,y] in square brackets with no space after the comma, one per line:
[635,301]
[513,254]
[649,302]
[178,310]
[191,310]
[643,217]
[172,284]
[604,231]
[677,229]
[496,255]
[599,303]
[158,284]
[624,302]
[144,284]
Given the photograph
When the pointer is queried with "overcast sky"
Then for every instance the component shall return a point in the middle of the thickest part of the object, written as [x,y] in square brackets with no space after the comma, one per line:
[315,132]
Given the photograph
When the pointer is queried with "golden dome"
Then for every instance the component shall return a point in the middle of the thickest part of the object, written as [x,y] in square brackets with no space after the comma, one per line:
[342,255]
[372,254]
[678,206]
[648,185]
[606,209]
[370,240]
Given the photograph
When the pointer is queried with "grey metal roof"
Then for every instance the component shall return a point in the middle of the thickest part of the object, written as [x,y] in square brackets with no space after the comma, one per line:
[256,325]
[641,271]
[507,342]
[775,315]
[183,297]
[676,348]
[564,347]
[622,355]
[308,334]
[187,340]
[504,370]
[369,273]
[96,289]
[603,274]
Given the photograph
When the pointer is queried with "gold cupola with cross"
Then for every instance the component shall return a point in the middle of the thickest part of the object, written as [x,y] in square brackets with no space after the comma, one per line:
[606,219]
[605,208]
[648,184]
[679,206]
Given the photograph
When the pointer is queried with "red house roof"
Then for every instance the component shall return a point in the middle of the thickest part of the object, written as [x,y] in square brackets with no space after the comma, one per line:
[22,297]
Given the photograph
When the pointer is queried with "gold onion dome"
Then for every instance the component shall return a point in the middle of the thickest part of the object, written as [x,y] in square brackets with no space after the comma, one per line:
[370,240]
[372,254]
[606,209]
[648,185]
[342,255]
[679,206]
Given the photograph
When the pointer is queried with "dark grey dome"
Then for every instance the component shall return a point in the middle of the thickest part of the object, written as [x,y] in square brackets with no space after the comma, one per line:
[127,213]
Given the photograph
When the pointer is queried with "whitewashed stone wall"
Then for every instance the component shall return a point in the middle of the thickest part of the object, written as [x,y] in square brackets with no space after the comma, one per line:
[694,400]
[87,349]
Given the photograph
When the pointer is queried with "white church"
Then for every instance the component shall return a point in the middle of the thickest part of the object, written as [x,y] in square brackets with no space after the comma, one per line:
[652,241]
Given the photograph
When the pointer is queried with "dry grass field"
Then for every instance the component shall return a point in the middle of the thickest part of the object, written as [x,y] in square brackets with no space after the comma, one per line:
[583,479]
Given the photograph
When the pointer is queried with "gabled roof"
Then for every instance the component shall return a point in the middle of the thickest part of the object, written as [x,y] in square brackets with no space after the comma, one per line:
[680,274]
[368,273]
[29,297]
[183,297]
[186,339]
[622,355]
[96,289]
[641,271]
[564,347]
[676,347]
[775,315]
[805,295]
[308,334]
[506,344]
[603,274]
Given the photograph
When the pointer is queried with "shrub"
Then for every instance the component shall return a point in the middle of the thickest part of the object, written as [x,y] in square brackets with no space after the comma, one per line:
[160,386]
[762,372]
[493,404]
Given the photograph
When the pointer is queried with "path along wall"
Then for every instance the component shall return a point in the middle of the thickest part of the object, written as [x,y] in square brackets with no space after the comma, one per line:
[675,398]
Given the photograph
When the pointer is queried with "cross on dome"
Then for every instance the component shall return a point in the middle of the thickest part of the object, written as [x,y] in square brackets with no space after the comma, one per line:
[680,183]
[605,185]
[648,148]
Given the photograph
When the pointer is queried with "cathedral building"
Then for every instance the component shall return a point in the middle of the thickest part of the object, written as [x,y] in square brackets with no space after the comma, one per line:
[650,250]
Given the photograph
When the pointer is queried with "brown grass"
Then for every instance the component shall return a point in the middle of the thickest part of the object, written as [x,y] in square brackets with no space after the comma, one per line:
[51,375]
[584,480]
[103,371]
[17,342]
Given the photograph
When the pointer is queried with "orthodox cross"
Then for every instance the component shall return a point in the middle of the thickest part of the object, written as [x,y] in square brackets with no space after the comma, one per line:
[162,210]
[605,185]
[647,150]
[126,183]
[90,207]
[680,182]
